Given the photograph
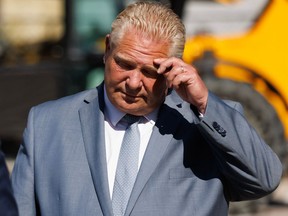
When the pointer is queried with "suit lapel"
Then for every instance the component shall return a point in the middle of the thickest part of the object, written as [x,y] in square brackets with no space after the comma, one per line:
[161,137]
[92,124]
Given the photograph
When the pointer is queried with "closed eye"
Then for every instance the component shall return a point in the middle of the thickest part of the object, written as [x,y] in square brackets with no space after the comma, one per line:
[124,64]
[150,73]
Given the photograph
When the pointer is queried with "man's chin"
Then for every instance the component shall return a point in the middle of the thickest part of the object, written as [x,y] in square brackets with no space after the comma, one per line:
[133,108]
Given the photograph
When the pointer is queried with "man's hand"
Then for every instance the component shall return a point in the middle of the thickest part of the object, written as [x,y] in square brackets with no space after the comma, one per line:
[185,80]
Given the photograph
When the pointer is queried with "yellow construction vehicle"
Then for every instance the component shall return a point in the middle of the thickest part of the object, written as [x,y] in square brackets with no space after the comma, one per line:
[251,67]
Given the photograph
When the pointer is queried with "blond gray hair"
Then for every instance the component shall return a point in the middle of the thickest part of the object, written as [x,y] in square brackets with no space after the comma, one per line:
[153,20]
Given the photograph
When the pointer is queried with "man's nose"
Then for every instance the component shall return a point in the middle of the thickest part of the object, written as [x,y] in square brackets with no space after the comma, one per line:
[134,80]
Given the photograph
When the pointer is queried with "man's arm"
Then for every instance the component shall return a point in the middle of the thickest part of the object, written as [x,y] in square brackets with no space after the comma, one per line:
[23,173]
[250,168]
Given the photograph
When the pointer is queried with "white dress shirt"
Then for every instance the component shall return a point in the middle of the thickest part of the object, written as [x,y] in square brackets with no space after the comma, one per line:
[114,133]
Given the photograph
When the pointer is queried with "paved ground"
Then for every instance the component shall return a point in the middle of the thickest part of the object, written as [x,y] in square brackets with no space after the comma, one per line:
[268,211]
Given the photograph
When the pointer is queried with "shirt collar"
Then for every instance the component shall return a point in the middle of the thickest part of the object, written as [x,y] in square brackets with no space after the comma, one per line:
[113,115]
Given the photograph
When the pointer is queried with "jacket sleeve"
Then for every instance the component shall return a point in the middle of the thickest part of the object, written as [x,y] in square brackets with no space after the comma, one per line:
[249,167]
[23,172]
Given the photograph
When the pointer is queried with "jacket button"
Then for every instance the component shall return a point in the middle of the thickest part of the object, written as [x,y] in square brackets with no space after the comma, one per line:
[219,129]
[216,125]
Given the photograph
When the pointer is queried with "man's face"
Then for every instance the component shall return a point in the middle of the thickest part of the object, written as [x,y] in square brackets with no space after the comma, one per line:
[131,79]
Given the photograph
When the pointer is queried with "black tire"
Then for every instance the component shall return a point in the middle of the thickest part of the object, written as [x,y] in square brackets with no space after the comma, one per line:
[262,116]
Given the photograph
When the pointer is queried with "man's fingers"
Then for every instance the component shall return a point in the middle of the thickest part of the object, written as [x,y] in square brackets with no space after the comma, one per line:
[174,73]
[164,64]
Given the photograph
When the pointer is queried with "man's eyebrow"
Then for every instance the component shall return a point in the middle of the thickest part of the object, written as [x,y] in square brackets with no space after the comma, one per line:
[122,58]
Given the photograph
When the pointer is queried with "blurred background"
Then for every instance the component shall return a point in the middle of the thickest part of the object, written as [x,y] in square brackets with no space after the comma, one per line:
[53,48]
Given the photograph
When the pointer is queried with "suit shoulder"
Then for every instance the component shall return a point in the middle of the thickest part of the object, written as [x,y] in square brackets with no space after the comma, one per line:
[70,102]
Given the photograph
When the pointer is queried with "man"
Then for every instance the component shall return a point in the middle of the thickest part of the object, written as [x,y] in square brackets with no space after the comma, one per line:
[196,153]
[8,205]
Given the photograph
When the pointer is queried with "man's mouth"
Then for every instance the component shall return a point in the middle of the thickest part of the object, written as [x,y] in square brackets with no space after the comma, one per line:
[131,97]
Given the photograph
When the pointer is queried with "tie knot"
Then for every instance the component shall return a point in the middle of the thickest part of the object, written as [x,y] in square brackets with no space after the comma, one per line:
[130,119]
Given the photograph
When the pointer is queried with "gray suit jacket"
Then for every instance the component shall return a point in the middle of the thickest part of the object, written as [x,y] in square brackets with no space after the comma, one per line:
[191,166]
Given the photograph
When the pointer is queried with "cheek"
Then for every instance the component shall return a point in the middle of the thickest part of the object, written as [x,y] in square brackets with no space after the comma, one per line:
[160,86]
[113,75]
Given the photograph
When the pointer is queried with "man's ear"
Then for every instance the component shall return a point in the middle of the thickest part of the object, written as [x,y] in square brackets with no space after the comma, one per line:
[107,47]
